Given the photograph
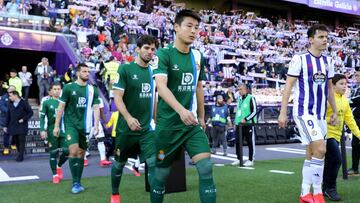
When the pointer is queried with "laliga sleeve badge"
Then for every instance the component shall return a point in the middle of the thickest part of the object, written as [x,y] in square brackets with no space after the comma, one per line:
[118,152]
[313,133]
[68,137]
[161,155]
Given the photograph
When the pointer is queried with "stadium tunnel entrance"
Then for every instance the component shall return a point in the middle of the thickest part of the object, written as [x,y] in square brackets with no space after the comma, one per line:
[16,58]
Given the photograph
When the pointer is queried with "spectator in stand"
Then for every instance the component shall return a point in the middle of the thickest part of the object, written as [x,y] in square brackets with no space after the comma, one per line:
[17,122]
[208,92]
[44,73]
[12,7]
[220,77]
[15,81]
[218,91]
[26,78]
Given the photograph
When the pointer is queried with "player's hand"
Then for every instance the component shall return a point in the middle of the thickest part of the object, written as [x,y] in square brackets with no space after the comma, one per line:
[282,121]
[5,130]
[43,135]
[334,120]
[21,121]
[202,123]
[56,131]
[188,117]
[133,124]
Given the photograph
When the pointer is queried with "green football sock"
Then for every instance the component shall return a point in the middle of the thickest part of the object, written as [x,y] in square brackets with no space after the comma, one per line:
[116,173]
[53,162]
[150,162]
[63,157]
[207,188]
[73,163]
[80,168]
[157,190]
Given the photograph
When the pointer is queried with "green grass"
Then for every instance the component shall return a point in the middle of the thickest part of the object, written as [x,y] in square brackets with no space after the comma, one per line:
[233,185]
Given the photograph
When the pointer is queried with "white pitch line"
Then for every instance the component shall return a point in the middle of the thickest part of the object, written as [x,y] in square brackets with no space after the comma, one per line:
[4,177]
[219,164]
[281,172]
[232,155]
[223,157]
[247,168]
[286,150]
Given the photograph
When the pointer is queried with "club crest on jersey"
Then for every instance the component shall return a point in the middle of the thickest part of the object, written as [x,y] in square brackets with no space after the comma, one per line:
[319,78]
[176,67]
[81,102]
[161,155]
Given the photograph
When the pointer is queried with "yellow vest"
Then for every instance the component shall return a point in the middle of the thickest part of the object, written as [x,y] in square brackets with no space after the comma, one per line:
[344,115]
[111,69]
[16,81]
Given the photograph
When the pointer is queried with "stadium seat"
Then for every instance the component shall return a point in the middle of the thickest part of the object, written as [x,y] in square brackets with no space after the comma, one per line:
[260,133]
[270,134]
[280,135]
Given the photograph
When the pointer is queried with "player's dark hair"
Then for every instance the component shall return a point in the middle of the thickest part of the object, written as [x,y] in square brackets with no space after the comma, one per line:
[312,30]
[16,93]
[55,84]
[179,18]
[147,39]
[78,67]
[338,77]
[13,70]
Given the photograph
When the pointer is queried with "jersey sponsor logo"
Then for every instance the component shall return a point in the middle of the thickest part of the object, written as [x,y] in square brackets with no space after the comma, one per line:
[135,77]
[186,83]
[145,91]
[319,78]
[81,102]
[161,155]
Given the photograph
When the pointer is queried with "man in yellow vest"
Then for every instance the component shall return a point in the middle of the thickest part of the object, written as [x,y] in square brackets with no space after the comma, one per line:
[15,81]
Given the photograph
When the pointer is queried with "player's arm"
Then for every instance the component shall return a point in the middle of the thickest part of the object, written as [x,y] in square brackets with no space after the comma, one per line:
[334,118]
[42,121]
[350,121]
[59,113]
[132,122]
[200,104]
[96,118]
[186,116]
[290,81]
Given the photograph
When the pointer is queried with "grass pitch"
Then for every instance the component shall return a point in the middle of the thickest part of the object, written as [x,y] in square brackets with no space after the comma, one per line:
[233,185]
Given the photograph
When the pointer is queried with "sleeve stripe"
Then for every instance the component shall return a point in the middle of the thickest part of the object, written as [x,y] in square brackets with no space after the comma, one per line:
[118,88]
[42,113]
[61,101]
[160,74]
[296,76]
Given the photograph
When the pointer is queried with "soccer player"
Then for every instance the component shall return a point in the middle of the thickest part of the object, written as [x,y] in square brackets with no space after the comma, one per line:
[180,113]
[56,144]
[134,99]
[78,100]
[311,73]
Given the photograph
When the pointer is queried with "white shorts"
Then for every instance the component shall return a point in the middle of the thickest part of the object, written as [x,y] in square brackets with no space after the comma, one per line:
[310,128]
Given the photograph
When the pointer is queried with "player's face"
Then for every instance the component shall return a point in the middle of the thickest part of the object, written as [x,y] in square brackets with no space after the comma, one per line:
[56,91]
[147,52]
[320,40]
[357,76]
[188,30]
[84,74]
[340,86]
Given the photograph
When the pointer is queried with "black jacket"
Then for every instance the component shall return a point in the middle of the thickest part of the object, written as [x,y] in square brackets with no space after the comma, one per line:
[14,114]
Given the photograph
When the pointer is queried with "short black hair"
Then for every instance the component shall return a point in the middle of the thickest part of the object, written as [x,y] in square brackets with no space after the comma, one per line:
[55,84]
[78,67]
[147,39]
[16,93]
[338,77]
[13,70]
[179,18]
[312,30]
